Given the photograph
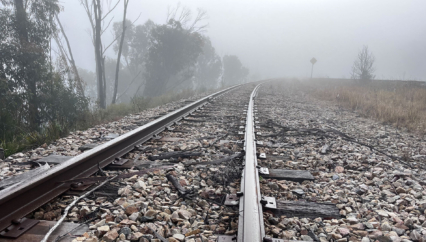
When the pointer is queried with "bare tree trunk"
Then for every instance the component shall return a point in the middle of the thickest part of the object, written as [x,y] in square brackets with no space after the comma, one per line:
[79,84]
[94,13]
[104,78]
[21,18]
[98,53]
[117,68]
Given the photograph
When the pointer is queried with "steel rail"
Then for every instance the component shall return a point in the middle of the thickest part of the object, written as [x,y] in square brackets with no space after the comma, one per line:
[21,199]
[250,222]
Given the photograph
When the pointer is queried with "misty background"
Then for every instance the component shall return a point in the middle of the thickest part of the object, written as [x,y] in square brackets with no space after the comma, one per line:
[52,81]
[278,38]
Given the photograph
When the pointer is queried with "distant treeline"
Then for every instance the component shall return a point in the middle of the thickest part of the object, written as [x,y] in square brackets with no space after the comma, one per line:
[159,58]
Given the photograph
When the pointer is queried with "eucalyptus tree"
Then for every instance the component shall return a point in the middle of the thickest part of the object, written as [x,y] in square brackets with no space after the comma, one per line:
[172,54]
[208,67]
[173,51]
[97,18]
[34,94]
[25,35]
[134,51]
[120,48]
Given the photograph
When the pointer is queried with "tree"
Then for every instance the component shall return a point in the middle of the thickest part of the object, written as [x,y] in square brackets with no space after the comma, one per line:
[363,67]
[183,15]
[171,57]
[96,17]
[173,51]
[68,58]
[208,67]
[34,95]
[25,34]
[134,50]
[117,68]
[139,45]
[129,32]
[233,70]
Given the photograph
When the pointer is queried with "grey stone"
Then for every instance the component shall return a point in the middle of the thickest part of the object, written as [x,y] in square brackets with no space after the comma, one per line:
[399,231]
[126,231]
[385,226]
[134,216]
[273,220]
[298,192]
[306,238]
[179,237]
[415,235]
[273,185]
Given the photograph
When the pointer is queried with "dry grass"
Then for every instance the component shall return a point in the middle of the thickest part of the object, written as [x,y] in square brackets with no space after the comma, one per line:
[398,103]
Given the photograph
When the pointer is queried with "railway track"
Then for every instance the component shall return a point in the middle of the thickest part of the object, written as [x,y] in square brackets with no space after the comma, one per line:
[230,170]
[23,198]
[235,166]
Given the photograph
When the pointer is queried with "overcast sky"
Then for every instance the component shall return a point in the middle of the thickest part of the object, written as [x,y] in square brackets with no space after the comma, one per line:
[277,38]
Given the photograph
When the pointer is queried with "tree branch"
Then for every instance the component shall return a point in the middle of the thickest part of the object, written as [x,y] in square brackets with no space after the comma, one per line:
[102,32]
[71,59]
[116,38]
[117,68]
[128,86]
[110,11]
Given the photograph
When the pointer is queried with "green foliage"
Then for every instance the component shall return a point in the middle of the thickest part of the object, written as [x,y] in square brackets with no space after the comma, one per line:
[140,43]
[61,104]
[36,103]
[112,113]
[209,66]
[136,41]
[50,132]
[132,65]
[25,35]
[12,146]
[173,52]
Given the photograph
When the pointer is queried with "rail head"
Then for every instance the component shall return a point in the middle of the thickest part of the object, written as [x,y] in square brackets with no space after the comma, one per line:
[250,222]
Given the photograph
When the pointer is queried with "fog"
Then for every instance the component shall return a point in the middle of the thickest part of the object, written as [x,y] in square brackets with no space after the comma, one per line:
[278,38]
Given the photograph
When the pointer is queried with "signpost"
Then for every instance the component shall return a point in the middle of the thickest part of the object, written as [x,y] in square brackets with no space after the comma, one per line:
[313,61]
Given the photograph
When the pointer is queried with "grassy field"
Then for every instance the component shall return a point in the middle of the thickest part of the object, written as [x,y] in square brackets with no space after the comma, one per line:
[402,104]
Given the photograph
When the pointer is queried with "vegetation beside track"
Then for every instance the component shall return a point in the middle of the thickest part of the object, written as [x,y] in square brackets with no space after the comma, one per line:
[399,103]
[22,139]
